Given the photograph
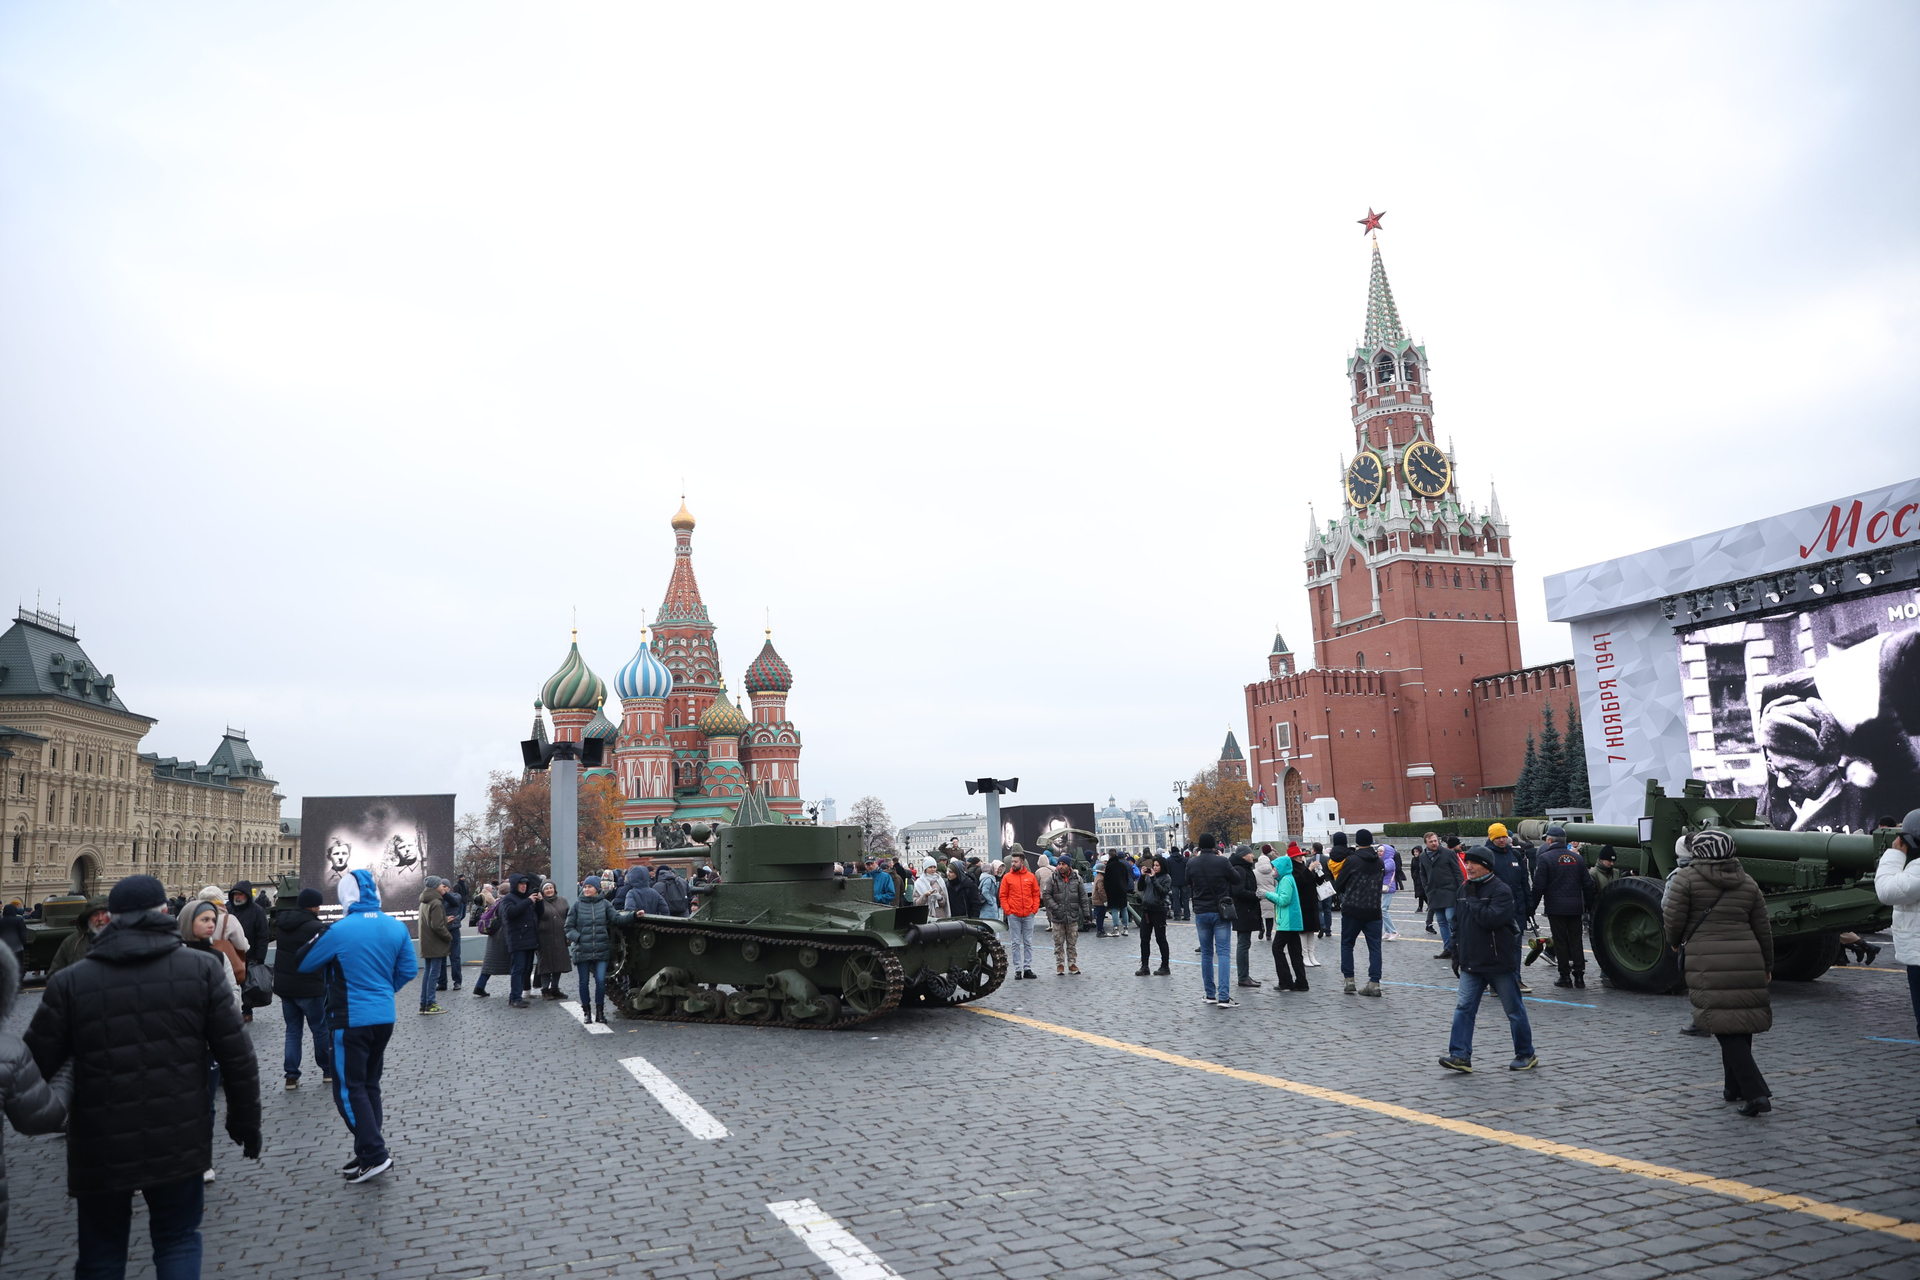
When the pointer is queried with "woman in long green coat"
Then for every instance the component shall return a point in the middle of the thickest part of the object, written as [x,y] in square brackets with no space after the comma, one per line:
[1715,911]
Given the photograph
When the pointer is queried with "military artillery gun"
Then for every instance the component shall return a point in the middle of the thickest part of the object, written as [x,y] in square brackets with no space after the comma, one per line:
[1818,885]
[783,940]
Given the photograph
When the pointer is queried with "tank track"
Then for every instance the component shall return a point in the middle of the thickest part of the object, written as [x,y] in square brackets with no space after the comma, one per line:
[934,991]
[896,982]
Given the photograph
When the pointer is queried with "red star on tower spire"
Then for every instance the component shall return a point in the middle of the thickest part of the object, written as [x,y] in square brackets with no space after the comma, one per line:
[1371,222]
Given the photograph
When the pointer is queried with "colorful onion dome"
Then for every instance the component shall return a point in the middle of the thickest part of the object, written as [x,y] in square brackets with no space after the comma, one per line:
[573,687]
[769,673]
[644,676]
[601,727]
[723,719]
[683,519]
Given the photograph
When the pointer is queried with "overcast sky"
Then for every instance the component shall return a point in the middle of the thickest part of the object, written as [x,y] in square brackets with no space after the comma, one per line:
[349,349]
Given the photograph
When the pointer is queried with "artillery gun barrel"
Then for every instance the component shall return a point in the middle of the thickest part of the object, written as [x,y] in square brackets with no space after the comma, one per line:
[1848,851]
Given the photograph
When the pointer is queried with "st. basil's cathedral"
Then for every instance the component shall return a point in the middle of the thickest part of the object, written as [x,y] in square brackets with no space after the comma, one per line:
[682,752]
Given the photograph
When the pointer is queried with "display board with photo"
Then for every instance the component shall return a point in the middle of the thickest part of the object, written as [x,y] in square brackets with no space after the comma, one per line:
[401,839]
[1813,711]
[1057,829]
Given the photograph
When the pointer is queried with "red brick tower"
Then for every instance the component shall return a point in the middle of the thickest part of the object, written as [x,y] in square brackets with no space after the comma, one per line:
[1412,596]
[1233,763]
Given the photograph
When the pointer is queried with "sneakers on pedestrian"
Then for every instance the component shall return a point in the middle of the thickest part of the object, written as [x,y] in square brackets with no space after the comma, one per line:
[1371,989]
[372,1171]
[518,1004]
[1525,989]
[1228,1003]
[351,1166]
[1350,988]
[207,1176]
[482,994]
[293,1082]
[1527,1063]
[1461,1065]
[1209,1000]
[1074,970]
[433,1008]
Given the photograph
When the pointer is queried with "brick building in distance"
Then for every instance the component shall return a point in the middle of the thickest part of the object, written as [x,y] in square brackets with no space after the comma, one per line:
[1418,703]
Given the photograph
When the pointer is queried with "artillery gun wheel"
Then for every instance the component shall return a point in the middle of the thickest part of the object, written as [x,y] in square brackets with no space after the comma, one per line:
[1628,938]
[1806,956]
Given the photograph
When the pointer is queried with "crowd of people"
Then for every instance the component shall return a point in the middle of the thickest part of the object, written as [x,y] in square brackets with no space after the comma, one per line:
[143,1021]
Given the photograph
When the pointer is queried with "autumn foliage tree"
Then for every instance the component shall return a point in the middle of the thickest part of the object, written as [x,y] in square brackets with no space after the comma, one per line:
[1222,807]
[524,806]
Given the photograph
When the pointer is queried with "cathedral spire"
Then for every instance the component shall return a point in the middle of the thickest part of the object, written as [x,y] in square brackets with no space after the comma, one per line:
[1383,318]
[683,603]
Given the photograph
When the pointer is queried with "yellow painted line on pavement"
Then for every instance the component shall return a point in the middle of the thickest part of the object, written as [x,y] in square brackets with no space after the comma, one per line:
[1466,1128]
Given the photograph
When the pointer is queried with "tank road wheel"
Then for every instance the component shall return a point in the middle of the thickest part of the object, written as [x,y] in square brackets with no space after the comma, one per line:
[988,971]
[864,983]
[753,1005]
[1804,957]
[1628,940]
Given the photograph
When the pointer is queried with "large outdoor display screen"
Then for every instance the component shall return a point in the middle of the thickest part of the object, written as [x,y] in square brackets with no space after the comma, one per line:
[1810,710]
[401,839]
[1053,828]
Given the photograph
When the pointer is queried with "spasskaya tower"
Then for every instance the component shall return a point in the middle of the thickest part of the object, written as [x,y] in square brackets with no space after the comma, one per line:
[1412,598]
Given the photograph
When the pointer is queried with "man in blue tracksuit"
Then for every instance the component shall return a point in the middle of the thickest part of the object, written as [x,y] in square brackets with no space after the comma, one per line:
[364,958]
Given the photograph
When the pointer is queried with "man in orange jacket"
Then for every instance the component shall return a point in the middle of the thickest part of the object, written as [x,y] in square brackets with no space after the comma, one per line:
[1020,899]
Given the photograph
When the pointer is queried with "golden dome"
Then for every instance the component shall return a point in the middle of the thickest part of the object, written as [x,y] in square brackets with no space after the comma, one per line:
[683,519]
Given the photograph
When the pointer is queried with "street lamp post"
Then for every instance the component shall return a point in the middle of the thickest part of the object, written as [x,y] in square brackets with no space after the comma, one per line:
[992,789]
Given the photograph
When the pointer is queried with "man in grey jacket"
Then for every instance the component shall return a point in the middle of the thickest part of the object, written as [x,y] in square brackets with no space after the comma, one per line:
[1441,868]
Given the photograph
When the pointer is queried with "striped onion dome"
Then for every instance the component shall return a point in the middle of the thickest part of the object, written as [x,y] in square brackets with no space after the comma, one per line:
[644,676]
[722,719]
[573,687]
[601,727]
[769,672]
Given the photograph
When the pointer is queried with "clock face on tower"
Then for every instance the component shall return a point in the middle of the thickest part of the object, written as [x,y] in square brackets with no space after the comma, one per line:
[1364,478]
[1427,469]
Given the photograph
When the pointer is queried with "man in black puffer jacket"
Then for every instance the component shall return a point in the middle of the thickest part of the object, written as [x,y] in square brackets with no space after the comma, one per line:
[1484,956]
[138,1019]
[1358,885]
[520,913]
[301,1002]
[1562,882]
[252,917]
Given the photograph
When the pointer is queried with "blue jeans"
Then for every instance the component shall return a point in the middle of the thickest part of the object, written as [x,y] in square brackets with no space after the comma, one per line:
[597,970]
[1216,952]
[1443,916]
[453,964]
[1020,943]
[1326,915]
[310,1011]
[1472,987]
[173,1213]
[1350,929]
[430,971]
[521,978]
[1178,910]
[1386,908]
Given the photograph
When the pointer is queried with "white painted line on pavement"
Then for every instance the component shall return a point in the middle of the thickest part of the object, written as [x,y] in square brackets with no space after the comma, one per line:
[832,1243]
[671,1096]
[579,1014]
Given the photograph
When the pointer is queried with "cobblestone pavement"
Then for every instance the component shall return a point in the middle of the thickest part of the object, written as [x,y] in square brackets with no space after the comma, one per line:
[952,1144]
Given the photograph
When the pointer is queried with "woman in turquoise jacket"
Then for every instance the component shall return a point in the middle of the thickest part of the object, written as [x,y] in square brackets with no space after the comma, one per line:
[1285,896]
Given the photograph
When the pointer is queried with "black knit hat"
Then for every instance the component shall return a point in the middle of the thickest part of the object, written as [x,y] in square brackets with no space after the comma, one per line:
[1206,840]
[1339,839]
[309,898]
[1481,856]
[1363,836]
[137,893]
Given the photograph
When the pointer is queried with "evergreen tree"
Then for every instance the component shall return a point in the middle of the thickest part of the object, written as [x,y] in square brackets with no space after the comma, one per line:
[1526,787]
[1579,791]
[1552,784]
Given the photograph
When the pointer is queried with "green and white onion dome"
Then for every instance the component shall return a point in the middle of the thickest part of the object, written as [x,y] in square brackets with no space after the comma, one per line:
[723,719]
[573,687]
[644,676]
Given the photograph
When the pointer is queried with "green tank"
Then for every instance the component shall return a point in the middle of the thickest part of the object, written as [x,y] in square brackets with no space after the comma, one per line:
[58,918]
[782,940]
[1818,885]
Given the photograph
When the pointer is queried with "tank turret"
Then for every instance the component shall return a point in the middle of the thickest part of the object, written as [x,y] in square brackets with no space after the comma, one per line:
[783,938]
[1818,885]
